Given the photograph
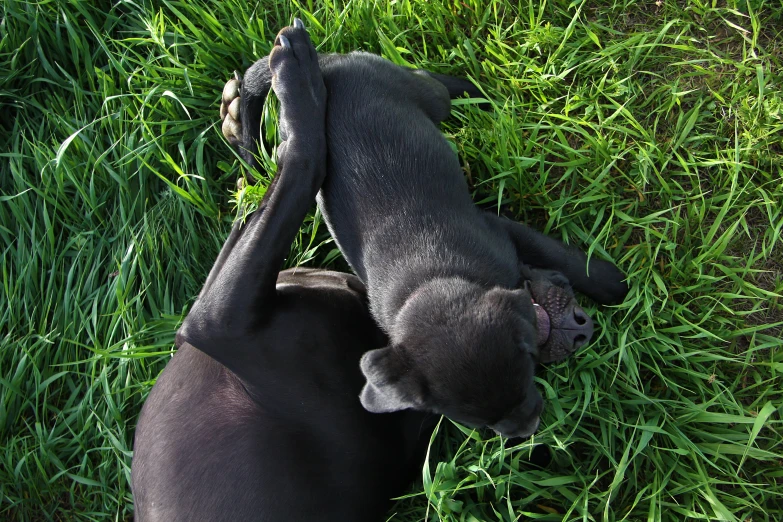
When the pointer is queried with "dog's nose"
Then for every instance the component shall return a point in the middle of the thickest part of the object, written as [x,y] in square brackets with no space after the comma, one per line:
[579,327]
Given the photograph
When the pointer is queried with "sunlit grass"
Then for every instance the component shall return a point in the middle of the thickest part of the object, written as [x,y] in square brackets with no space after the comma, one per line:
[651,133]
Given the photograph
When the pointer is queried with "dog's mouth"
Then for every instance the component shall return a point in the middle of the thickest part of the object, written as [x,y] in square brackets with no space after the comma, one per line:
[543,324]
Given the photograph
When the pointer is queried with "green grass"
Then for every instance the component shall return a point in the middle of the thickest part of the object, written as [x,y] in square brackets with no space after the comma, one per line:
[650,132]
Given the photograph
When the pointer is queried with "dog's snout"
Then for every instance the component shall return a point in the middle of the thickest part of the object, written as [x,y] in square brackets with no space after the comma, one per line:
[579,327]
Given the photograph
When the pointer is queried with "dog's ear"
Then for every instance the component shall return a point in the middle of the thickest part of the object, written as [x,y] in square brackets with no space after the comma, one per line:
[392,384]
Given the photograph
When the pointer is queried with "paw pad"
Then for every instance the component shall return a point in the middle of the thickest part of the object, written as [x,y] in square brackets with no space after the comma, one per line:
[230,104]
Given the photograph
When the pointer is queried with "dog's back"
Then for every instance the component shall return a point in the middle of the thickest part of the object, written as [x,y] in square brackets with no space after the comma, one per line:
[394,180]
[382,135]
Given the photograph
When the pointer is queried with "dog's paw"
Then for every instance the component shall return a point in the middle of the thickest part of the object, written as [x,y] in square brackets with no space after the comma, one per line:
[610,286]
[296,77]
[230,110]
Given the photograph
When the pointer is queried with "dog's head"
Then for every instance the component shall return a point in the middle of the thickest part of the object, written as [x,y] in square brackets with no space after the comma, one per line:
[463,351]
[470,353]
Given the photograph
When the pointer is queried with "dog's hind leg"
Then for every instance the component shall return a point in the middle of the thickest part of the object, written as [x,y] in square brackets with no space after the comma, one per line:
[240,290]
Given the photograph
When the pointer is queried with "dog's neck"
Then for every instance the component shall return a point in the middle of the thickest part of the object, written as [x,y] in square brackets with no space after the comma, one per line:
[387,301]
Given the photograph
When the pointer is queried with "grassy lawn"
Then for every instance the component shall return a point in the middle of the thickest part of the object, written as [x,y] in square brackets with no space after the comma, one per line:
[648,132]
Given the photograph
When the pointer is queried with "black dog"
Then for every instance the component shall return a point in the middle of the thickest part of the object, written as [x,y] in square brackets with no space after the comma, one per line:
[450,285]
[263,421]
[275,432]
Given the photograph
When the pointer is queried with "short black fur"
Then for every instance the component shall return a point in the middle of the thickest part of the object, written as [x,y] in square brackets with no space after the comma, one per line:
[256,417]
[443,277]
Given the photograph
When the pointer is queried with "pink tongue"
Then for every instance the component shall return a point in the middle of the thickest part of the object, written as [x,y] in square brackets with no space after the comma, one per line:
[544,326]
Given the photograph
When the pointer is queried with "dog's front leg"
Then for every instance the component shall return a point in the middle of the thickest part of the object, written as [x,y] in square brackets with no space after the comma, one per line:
[240,290]
[600,280]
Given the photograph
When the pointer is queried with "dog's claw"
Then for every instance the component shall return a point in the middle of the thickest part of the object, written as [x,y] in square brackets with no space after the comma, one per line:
[298,23]
[283,42]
